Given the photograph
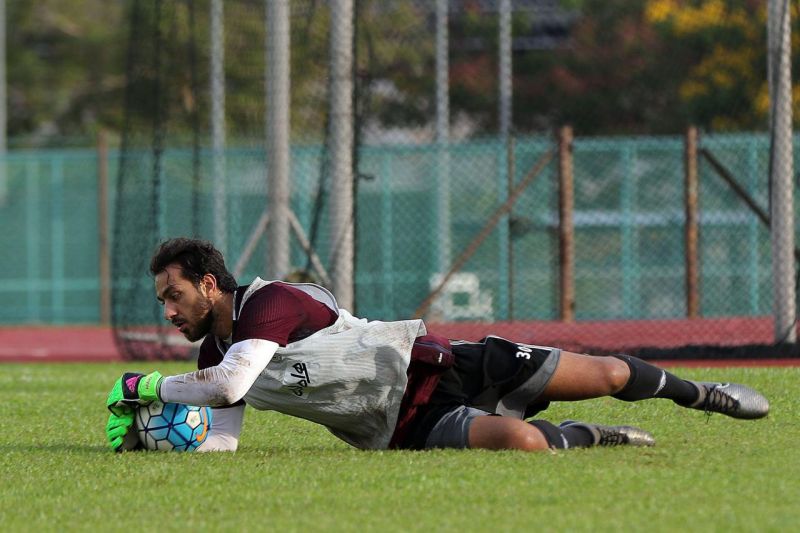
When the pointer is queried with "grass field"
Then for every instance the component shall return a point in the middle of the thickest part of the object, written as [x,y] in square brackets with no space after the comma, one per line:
[290,475]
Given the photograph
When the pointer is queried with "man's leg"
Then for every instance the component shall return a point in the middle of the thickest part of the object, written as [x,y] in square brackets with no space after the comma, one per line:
[503,377]
[506,433]
[460,426]
[580,377]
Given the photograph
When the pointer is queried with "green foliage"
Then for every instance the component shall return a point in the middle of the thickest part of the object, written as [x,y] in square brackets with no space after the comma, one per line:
[622,67]
[627,67]
[65,66]
[722,47]
[716,474]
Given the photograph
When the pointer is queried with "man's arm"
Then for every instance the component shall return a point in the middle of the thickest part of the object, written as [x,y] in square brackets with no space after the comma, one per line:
[224,384]
[268,320]
[226,425]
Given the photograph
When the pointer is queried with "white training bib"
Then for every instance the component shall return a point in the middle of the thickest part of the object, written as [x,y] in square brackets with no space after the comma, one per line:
[349,377]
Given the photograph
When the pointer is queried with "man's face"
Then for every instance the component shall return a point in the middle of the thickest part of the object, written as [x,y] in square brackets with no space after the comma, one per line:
[186,305]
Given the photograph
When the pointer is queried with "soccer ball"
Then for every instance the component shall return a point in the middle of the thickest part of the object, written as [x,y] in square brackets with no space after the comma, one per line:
[172,426]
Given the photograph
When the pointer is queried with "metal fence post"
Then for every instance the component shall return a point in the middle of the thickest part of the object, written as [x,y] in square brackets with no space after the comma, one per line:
[781,170]
[628,254]
[691,224]
[278,104]
[104,255]
[387,231]
[504,111]
[33,238]
[3,108]
[510,177]
[566,225]
[217,88]
[57,236]
[341,150]
[752,232]
[442,137]
[500,310]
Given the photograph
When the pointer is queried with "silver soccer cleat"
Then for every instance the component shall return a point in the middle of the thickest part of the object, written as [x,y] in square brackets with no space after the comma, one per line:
[614,435]
[732,399]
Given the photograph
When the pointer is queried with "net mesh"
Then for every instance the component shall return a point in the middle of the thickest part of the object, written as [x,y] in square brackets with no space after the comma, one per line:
[465,229]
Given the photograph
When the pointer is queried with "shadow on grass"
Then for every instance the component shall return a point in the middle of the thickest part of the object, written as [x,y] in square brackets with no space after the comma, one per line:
[54,448]
[279,450]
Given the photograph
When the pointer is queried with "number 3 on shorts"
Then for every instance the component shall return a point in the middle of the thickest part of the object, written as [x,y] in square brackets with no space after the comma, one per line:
[524,352]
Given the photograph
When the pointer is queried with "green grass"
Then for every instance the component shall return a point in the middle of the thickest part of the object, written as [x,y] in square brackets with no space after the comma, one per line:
[290,475]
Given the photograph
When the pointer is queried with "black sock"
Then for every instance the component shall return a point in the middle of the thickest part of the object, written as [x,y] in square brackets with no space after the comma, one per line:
[648,381]
[568,437]
[578,436]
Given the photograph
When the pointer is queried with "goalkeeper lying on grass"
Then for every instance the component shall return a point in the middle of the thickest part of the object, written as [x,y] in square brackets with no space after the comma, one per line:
[290,348]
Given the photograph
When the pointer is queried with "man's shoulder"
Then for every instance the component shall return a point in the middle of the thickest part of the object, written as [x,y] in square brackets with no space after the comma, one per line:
[274,293]
[282,312]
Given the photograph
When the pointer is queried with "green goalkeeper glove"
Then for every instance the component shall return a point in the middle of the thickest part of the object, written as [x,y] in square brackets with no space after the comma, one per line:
[119,431]
[132,390]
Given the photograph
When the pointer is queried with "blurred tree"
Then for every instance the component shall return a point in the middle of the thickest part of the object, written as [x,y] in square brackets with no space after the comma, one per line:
[723,45]
[616,75]
[606,66]
[395,63]
[626,67]
[65,67]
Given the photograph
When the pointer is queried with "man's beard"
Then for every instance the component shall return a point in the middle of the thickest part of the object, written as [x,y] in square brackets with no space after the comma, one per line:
[204,319]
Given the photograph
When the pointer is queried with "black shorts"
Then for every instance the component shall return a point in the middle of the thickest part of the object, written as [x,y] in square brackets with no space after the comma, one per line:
[495,375]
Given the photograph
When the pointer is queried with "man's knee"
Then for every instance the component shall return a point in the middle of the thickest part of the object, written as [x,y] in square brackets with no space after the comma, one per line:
[610,375]
[504,433]
[617,374]
[527,439]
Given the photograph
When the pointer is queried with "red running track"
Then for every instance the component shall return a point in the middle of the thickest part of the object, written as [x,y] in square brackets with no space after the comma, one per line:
[96,344]
[620,335]
[58,344]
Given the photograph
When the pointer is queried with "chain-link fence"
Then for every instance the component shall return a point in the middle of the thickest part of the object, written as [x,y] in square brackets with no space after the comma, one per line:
[623,203]
[50,273]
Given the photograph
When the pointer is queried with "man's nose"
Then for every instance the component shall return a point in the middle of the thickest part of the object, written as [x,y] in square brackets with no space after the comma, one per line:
[169,312]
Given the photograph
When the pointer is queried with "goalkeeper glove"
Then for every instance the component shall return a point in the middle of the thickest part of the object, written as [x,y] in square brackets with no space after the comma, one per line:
[132,390]
[119,431]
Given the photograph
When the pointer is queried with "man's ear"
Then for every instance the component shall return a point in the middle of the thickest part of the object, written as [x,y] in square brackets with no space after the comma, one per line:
[208,284]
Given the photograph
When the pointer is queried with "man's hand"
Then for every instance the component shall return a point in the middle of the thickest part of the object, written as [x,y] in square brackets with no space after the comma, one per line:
[132,390]
[118,430]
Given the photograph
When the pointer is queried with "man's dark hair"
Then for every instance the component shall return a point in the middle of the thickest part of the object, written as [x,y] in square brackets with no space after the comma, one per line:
[196,259]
